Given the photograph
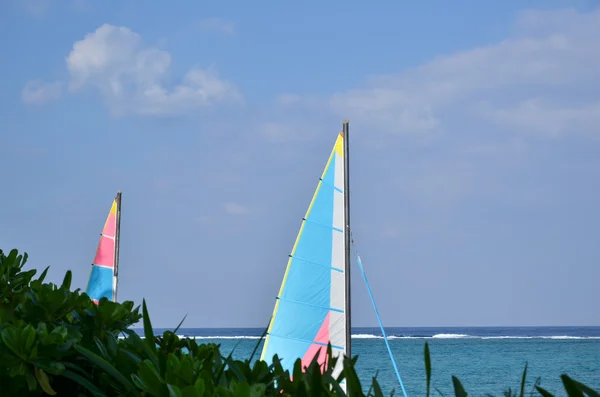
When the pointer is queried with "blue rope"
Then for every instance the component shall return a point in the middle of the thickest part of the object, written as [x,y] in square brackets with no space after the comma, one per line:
[387,343]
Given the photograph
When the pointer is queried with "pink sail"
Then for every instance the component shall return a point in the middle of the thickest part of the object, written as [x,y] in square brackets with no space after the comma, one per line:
[102,282]
[320,343]
[105,255]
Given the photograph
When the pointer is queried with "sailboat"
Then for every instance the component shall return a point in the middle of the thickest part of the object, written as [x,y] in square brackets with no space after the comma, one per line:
[312,308]
[104,276]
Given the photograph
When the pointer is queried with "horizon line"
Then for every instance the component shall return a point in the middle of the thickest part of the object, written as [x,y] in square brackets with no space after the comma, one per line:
[407,326]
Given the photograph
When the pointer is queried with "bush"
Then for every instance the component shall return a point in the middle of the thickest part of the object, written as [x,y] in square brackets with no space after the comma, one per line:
[56,341]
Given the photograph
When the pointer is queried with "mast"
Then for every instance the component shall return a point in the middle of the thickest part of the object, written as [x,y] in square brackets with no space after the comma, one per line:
[347,236]
[117,241]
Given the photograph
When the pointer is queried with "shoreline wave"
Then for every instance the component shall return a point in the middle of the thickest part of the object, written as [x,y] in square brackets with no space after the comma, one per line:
[435,336]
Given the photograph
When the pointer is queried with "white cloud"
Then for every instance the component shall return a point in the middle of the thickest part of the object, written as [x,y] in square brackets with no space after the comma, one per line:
[217,25]
[471,128]
[36,91]
[544,79]
[132,76]
[236,209]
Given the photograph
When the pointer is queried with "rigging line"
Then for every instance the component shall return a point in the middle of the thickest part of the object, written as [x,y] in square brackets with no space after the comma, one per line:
[387,343]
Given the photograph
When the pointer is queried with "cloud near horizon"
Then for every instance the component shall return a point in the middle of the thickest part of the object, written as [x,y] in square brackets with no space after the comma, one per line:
[471,122]
[542,80]
[130,76]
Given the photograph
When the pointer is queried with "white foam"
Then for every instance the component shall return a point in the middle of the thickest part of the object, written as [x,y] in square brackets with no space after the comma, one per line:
[223,337]
[366,336]
[392,337]
[449,336]
[560,337]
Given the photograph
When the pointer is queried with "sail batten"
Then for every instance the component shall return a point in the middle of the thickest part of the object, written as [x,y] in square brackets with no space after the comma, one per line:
[310,308]
[337,269]
[103,281]
[310,342]
[333,309]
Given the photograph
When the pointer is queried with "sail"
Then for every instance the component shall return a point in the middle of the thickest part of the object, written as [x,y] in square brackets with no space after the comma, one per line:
[310,308]
[102,282]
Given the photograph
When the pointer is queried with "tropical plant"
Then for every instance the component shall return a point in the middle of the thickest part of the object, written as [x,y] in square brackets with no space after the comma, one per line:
[58,342]
[54,341]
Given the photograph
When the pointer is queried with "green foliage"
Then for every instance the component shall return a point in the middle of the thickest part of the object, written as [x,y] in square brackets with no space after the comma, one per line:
[58,342]
[43,325]
[54,341]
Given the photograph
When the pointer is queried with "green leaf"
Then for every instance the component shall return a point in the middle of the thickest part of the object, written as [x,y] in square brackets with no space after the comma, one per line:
[51,367]
[200,387]
[522,393]
[258,390]
[148,332]
[139,343]
[83,382]
[29,334]
[571,387]
[302,391]
[180,323]
[190,391]
[31,381]
[44,381]
[101,348]
[315,380]
[174,391]
[334,383]
[148,379]
[377,389]
[298,373]
[66,284]
[241,390]
[352,381]
[427,367]
[544,392]
[459,390]
[10,337]
[586,389]
[262,336]
[186,369]
[106,366]
[111,344]
[43,275]
[235,369]
[18,370]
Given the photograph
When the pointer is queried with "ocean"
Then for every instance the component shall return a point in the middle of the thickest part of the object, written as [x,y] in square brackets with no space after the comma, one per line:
[487,360]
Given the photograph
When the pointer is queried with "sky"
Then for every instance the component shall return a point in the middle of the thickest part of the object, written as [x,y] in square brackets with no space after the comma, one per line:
[475,151]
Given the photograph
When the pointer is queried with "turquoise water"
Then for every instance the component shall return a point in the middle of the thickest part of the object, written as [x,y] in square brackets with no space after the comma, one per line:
[486,360]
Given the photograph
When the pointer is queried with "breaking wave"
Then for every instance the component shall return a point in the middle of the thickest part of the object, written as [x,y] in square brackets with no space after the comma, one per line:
[220,337]
[435,336]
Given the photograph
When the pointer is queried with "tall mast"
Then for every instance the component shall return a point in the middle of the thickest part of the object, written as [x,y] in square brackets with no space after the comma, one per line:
[117,241]
[347,236]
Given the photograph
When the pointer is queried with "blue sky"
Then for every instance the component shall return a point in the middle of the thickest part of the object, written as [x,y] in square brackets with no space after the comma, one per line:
[475,149]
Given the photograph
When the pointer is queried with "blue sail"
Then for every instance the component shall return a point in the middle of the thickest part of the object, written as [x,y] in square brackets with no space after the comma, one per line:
[310,308]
